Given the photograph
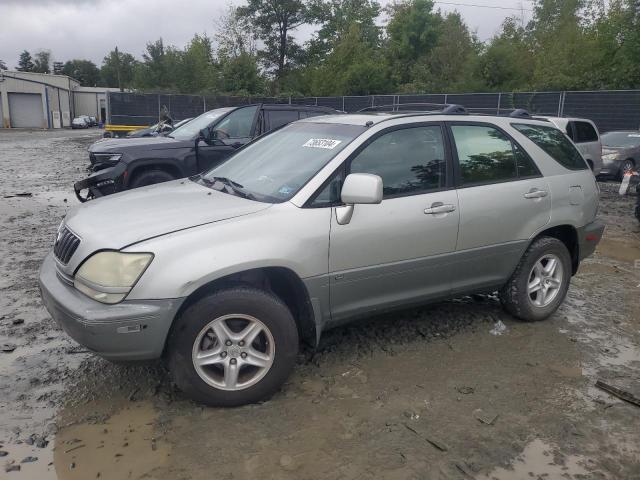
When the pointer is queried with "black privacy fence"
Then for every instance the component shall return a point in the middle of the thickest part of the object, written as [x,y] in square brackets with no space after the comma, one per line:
[609,109]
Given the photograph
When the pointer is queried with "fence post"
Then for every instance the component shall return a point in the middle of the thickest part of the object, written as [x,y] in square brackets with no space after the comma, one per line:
[343,104]
[316,101]
[445,99]
[204,104]
[499,103]
[289,99]
[159,107]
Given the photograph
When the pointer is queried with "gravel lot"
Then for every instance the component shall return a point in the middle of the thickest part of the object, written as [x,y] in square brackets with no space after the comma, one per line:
[426,393]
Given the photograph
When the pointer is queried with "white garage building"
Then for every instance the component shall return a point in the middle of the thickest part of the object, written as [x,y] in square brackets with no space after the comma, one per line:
[36,100]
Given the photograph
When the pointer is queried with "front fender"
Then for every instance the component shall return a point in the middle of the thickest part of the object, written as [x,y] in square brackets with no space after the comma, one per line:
[282,236]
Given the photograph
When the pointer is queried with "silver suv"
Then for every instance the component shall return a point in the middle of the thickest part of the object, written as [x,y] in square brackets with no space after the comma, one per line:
[327,219]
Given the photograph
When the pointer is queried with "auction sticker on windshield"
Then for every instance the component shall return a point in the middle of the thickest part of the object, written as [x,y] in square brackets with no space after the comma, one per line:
[327,143]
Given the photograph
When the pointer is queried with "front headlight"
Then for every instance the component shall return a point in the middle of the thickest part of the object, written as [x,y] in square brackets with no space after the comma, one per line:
[110,158]
[108,277]
[610,157]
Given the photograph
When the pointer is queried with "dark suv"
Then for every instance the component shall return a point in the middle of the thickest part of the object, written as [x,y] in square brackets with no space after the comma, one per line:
[199,145]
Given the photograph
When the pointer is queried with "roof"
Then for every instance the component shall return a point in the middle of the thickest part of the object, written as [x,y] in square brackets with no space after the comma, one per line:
[370,119]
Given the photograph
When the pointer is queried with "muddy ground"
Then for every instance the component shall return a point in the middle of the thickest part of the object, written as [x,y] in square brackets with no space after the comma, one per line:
[430,393]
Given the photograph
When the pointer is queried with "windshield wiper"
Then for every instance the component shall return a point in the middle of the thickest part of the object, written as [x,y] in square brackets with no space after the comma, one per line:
[235,187]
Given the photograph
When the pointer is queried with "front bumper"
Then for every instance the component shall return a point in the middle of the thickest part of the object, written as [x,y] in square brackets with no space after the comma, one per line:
[102,182]
[130,330]
[588,238]
[610,167]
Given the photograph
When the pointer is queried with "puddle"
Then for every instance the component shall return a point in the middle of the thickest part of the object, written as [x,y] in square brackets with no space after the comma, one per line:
[619,250]
[122,447]
[541,460]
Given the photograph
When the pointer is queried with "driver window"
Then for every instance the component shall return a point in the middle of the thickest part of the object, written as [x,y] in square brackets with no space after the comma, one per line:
[238,123]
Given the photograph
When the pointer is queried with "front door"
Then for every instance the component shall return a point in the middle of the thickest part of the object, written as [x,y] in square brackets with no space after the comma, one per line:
[394,253]
[231,132]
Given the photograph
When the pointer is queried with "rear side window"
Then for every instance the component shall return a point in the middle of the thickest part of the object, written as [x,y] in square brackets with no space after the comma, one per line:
[585,132]
[277,118]
[409,161]
[485,154]
[554,143]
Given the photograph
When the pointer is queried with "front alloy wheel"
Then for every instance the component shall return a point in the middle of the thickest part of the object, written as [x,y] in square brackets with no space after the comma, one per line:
[233,352]
[232,347]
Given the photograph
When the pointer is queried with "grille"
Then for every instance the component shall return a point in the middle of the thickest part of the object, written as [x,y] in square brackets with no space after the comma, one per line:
[65,246]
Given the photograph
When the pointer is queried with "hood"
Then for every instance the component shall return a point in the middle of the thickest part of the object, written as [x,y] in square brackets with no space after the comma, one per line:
[122,145]
[115,221]
[615,150]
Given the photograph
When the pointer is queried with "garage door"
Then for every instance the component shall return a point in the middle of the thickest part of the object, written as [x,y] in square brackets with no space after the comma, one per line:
[25,110]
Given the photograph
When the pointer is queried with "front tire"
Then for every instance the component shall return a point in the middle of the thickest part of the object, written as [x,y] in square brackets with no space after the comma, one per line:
[233,347]
[540,282]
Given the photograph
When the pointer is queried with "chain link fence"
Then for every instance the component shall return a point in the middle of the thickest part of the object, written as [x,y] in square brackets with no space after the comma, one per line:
[609,109]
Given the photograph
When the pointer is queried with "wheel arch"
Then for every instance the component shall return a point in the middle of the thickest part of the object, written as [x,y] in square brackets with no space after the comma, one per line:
[568,235]
[282,282]
[138,168]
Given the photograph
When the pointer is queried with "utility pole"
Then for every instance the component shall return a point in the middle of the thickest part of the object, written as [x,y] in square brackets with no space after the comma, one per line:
[118,69]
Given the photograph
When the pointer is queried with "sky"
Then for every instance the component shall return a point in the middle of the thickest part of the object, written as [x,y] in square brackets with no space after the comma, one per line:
[89,29]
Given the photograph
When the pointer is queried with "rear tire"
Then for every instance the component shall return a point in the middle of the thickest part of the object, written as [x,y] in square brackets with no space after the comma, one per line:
[151,177]
[540,282]
[212,364]
[625,167]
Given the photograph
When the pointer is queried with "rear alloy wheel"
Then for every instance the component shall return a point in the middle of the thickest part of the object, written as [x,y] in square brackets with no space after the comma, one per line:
[540,282]
[233,347]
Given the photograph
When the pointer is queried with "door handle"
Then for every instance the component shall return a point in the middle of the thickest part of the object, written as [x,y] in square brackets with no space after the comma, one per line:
[439,207]
[536,193]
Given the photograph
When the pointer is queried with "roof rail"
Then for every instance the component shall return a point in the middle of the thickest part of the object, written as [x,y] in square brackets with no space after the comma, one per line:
[520,113]
[446,108]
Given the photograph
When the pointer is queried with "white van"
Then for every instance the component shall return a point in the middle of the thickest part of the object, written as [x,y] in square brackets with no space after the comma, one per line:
[586,137]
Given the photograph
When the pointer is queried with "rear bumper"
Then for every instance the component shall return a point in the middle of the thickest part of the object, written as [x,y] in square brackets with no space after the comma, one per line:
[130,330]
[103,182]
[588,238]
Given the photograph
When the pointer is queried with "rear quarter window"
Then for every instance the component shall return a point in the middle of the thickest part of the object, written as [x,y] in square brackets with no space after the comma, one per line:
[554,143]
[585,132]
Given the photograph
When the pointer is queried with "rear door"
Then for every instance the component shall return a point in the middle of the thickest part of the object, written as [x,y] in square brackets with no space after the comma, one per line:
[504,201]
[395,252]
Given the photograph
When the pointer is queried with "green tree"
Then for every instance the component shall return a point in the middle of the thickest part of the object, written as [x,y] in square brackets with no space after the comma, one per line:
[412,32]
[452,63]
[507,62]
[274,21]
[117,69]
[240,75]
[25,62]
[197,72]
[42,61]
[159,67]
[3,66]
[85,71]
[335,18]
[354,67]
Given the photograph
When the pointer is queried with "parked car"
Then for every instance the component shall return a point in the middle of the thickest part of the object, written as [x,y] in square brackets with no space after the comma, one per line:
[585,136]
[79,122]
[199,145]
[160,128]
[93,120]
[324,220]
[620,152]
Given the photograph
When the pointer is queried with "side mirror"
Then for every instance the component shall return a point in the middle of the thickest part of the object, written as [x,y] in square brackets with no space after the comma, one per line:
[363,188]
[205,135]
[358,188]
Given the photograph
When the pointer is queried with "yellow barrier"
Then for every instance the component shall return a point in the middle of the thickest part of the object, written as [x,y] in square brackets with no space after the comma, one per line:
[124,128]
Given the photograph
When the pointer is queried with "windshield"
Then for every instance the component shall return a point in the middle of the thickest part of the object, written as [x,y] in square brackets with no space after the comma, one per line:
[189,130]
[275,167]
[621,139]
